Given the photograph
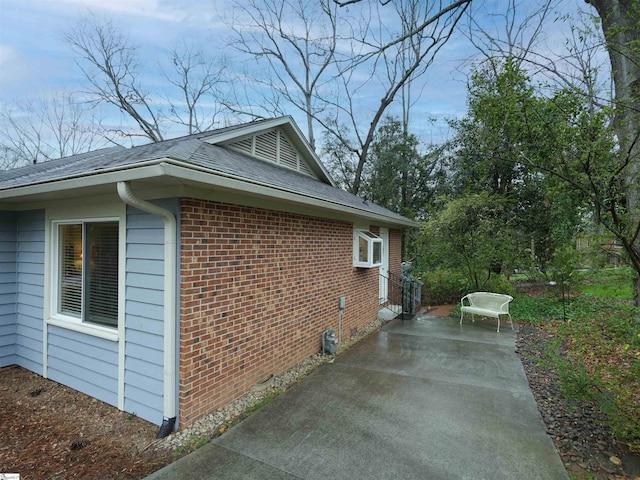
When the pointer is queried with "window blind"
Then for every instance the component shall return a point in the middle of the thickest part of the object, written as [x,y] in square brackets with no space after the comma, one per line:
[101,273]
[70,281]
[88,271]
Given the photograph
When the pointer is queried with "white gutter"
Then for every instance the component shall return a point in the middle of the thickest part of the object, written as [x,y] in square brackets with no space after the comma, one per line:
[181,170]
[170,231]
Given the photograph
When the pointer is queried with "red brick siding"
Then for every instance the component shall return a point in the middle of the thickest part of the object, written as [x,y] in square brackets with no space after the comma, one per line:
[395,251]
[258,288]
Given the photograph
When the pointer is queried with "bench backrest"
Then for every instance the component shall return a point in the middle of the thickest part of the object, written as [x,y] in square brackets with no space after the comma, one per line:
[492,301]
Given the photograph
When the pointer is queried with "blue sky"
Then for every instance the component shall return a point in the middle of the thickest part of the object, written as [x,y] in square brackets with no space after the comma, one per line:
[34,57]
[35,61]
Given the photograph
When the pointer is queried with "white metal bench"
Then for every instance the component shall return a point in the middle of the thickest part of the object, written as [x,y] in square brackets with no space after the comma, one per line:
[486,304]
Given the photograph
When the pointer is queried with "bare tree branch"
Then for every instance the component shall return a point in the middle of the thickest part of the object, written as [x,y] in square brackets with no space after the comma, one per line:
[517,32]
[35,131]
[196,77]
[108,64]
[416,52]
[521,38]
[324,63]
[298,41]
[416,30]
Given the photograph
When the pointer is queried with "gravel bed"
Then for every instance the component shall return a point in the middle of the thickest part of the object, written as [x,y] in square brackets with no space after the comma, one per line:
[217,422]
[579,429]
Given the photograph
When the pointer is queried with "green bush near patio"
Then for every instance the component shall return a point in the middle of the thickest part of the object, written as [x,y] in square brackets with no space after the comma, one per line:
[447,287]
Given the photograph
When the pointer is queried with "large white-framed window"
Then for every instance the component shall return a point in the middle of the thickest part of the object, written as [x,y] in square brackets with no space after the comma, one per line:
[367,249]
[85,258]
[85,271]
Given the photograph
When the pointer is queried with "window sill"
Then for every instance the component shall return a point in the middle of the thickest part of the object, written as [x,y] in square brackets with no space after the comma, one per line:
[88,329]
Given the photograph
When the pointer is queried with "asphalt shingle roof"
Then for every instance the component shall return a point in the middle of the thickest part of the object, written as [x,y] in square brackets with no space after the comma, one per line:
[189,150]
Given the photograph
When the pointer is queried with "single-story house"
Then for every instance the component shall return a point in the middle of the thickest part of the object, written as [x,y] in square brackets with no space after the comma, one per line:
[168,279]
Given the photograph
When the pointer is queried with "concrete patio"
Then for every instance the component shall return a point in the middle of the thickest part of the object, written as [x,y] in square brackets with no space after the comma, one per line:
[421,399]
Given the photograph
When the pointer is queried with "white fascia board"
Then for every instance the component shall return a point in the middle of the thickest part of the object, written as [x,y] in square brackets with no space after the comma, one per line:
[138,171]
[188,172]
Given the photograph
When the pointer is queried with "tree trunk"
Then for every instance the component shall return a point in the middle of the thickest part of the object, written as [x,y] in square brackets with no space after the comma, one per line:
[621,27]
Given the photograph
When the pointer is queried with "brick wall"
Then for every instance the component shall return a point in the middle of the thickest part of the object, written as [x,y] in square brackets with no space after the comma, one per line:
[395,251]
[258,288]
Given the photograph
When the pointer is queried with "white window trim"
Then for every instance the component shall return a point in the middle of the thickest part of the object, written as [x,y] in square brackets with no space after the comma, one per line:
[371,240]
[61,216]
[78,325]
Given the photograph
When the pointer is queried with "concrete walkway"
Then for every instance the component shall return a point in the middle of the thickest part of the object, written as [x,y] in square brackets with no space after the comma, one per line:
[423,399]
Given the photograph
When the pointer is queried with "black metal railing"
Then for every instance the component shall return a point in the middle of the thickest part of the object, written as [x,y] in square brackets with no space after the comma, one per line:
[403,292]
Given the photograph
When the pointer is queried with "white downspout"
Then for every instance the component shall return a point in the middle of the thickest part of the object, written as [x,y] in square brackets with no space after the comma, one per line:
[170,231]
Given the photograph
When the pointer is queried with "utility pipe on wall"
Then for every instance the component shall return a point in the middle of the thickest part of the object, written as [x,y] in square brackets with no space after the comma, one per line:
[340,328]
[170,231]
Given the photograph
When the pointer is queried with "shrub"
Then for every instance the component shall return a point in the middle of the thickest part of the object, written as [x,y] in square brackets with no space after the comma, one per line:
[443,287]
[499,284]
[536,310]
[449,286]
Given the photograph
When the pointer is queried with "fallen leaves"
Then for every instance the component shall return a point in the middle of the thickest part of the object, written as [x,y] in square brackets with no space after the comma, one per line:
[51,431]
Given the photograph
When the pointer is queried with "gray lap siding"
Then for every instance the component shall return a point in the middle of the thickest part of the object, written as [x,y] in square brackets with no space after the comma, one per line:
[8,276]
[29,289]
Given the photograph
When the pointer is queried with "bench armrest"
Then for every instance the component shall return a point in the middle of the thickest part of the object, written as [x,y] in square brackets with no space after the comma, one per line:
[505,306]
[462,300]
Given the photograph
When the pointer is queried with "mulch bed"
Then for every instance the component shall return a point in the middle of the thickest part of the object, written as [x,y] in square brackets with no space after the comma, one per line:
[50,431]
[579,429]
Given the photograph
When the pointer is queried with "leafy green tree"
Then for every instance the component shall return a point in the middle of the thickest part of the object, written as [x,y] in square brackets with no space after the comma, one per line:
[400,177]
[472,234]
[497,148]
[559,159]
[339,157]
[485,149]
[593,166]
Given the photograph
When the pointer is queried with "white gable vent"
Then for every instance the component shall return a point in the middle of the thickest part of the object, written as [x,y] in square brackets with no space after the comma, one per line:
[244,146]
[267,146]
[275,147]
[288,155]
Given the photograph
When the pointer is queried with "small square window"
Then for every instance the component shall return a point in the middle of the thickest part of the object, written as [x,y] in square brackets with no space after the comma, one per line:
[367,249]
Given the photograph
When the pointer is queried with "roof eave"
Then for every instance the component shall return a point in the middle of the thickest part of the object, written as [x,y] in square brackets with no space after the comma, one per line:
[188,173]
[138,171]
[239,184]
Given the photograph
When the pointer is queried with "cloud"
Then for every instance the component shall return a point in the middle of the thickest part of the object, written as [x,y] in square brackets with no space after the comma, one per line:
[147,8]
[14,68]
[6,56]
[179,12]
